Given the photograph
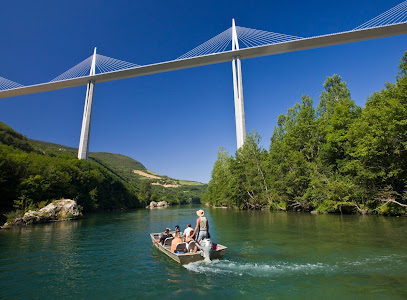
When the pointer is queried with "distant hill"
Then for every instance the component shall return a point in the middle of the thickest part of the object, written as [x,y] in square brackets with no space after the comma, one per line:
[151,185]
[123,166]
[33,173]
[10,137]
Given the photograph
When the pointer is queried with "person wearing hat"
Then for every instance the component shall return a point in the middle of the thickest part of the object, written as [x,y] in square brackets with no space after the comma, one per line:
[165,235]
[203,225]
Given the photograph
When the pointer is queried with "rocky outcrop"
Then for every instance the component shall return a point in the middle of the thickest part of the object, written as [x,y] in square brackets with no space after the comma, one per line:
[64,209]
[154,204]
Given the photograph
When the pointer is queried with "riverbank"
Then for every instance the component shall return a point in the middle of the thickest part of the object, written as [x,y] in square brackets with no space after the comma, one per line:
[58,210]
[355,211]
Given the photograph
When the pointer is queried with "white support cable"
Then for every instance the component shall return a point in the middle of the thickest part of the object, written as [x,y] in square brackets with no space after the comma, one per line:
[221,41]
[79,70]
[219,45]
[6,84]
[108,64]
[261,40]
[214,45]
[227,43]
[403,14]
[222,44]
[247,33]
[254,38]
[400,18]
[394,18]
[103,64]
[395,15]
[101,67]
[392,14]
[249,37]
[388,17]
[381,18]
[247,43]
[198,50]
[244,43]
[206,47]
[255,32]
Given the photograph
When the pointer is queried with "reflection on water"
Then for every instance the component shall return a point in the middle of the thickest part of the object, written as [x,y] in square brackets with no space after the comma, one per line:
[269,255]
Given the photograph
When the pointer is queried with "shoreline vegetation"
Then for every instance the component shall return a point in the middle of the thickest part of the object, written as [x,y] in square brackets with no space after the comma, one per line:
[34,173]
[335,158]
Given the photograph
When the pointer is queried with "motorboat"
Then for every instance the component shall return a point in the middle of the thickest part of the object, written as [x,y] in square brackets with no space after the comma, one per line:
[184,252]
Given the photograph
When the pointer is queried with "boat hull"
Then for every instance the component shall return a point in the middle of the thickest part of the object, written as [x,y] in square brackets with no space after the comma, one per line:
[186,258]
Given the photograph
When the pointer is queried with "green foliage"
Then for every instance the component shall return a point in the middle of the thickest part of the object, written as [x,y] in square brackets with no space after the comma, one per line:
[33,173]
[219,187]
[12,215]
[30,178]
[338,158]
[8,136]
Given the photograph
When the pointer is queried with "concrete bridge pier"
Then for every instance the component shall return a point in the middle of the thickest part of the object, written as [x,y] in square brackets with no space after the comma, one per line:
[83,152]
[238,91]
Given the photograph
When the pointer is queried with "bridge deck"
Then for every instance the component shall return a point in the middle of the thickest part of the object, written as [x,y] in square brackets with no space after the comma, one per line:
[296,45]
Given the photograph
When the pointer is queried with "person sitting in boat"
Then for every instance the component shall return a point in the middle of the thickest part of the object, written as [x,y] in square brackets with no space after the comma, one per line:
[187,231]
[165,235]
[203,225]
[176,240]
[190,237]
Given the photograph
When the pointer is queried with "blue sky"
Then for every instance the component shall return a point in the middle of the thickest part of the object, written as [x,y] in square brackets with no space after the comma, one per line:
[175,122]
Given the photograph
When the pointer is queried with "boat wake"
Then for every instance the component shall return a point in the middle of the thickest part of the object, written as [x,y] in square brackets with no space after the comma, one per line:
[278,268]
[253,269]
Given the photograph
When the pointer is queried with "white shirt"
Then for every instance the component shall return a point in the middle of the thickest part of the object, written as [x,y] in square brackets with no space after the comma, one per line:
[187,231]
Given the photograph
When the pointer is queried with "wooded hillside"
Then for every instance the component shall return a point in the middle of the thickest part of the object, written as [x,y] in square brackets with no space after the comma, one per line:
[33,173]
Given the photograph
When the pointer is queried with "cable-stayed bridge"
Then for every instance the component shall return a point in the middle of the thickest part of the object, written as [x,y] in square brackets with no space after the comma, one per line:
[233,44]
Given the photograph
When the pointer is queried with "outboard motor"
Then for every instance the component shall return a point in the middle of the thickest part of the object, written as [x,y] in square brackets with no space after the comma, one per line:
[206,248]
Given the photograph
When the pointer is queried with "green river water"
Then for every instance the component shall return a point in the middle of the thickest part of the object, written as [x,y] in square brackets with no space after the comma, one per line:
[270,255]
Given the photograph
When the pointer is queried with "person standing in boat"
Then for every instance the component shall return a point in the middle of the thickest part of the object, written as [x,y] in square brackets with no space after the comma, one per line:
[203,225]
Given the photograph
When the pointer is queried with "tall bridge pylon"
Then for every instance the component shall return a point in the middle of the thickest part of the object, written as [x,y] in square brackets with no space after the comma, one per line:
[238,91]
[83,152]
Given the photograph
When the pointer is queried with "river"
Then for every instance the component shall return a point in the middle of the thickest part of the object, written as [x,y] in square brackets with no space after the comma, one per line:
[270,255]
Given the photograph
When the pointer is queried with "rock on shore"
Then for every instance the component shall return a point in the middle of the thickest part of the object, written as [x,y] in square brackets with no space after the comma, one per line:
[154,204]
[64,209]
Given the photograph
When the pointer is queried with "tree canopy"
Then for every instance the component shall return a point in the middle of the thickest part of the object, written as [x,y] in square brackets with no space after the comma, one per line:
[336,158]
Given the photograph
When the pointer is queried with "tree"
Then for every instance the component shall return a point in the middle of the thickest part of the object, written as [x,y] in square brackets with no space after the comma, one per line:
[249,169]
[335,92]
[219,187]
[378,140]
